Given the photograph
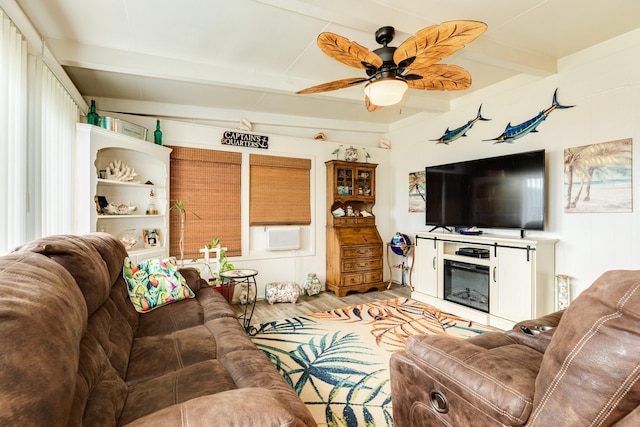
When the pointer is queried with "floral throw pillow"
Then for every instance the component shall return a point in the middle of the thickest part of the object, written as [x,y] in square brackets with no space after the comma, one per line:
[154,283]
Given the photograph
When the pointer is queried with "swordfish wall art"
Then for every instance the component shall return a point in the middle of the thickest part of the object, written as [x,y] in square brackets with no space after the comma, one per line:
[452,135]
[511,133]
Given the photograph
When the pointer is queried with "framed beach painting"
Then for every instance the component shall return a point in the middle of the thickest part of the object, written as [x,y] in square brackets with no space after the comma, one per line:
[597,177]
[417,192]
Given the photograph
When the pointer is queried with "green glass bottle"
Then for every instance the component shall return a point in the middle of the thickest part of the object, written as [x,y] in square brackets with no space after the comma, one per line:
[92,117]
[157,135]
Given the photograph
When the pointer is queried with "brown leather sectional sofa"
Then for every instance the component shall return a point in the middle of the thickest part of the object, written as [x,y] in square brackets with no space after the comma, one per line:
[73,351]
[580,367]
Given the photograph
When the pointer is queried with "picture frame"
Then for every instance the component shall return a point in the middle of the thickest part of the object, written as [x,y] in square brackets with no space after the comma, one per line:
[598,177]
[151,237]
[101,203]
[417,192]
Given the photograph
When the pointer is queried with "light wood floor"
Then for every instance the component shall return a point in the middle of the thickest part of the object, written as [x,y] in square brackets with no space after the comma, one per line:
[265,312]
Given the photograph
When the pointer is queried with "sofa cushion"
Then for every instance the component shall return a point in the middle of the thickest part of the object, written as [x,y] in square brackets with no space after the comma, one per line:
[247,407]
[593,357]
[229,335]
[81,260]
[110,249]
[153,356]
[153,283]
[100,392]
[251,369]
[113,333]
[190,312]
[200,379]
[42,319]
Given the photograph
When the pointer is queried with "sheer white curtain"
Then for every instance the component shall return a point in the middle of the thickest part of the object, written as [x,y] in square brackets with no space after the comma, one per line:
[13,139]
[37,132]
[52,125]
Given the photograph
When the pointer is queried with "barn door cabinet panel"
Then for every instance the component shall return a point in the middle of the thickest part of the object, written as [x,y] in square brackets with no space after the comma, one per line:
[516,274]
[354,246]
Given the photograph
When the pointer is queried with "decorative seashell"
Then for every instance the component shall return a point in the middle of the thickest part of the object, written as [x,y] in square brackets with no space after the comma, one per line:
[120,209]
[320,136]
[385,143]
[246,125]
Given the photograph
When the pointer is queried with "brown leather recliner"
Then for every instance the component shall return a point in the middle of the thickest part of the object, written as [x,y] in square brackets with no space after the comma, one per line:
[581,367]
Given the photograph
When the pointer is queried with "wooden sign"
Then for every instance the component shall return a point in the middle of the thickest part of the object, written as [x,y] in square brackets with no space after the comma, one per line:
[239,139]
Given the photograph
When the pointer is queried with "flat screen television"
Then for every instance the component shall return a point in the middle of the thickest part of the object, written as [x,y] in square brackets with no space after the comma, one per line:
[498,192]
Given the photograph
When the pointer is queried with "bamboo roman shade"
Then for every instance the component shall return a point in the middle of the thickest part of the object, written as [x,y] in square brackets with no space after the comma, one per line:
[210,181]
[279,190]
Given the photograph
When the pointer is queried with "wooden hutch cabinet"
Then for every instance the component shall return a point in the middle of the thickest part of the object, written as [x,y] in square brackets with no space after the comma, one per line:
[354,247]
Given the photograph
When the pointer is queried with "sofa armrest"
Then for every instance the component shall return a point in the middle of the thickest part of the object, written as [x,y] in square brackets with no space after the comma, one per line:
[244,407]
[192,276]
[497,381]
[536,333]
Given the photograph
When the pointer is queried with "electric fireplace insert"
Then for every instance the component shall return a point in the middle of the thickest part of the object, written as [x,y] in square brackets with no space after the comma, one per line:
[467,284]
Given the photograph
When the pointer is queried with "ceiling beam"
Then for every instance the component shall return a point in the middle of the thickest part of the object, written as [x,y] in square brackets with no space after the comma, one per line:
[104,59]
[118,61]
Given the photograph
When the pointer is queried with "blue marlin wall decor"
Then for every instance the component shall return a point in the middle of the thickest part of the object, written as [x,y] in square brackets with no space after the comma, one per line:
[511,133]
[452,135]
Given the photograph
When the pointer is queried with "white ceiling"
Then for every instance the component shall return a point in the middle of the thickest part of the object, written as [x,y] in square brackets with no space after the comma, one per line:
[251,56]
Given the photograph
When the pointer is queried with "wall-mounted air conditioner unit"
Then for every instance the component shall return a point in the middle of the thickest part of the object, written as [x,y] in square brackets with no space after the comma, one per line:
[283,238]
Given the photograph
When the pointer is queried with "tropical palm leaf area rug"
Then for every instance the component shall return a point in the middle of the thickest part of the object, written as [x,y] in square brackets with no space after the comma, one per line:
[337,361]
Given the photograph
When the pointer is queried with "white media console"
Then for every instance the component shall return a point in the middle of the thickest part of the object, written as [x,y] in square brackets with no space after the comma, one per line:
[490,279]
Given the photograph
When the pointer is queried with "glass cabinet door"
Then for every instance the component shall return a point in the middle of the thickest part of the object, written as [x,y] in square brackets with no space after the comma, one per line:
[344,182]
[364,182]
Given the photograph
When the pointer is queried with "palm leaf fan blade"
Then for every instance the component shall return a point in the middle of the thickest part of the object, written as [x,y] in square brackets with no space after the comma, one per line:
[440,77]
[348,52]
[334,85]
[432,44]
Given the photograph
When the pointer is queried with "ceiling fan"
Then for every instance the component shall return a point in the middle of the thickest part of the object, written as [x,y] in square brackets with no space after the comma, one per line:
[391,70]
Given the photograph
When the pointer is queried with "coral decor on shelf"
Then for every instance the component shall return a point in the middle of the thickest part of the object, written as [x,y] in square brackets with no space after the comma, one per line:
[119,171]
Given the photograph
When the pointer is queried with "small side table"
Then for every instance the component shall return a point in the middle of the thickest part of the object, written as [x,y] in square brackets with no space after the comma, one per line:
[408,249]
[243,277]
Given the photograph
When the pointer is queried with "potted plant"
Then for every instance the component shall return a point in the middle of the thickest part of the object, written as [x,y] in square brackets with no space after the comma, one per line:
[224,265]
[181,207]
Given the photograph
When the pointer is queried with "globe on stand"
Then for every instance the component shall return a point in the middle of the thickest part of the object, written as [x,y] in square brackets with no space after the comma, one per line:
[400,244]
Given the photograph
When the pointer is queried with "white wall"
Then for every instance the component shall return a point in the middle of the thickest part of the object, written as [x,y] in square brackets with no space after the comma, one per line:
[287,265]
[604,84]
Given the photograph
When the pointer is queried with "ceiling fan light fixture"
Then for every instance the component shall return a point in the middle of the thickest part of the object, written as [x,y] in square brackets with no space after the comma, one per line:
[387,91]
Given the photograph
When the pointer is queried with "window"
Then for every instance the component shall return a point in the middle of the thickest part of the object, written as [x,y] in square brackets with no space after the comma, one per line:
[37,129]
[209,181]
[279,190]
[52,116]
[13,125]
